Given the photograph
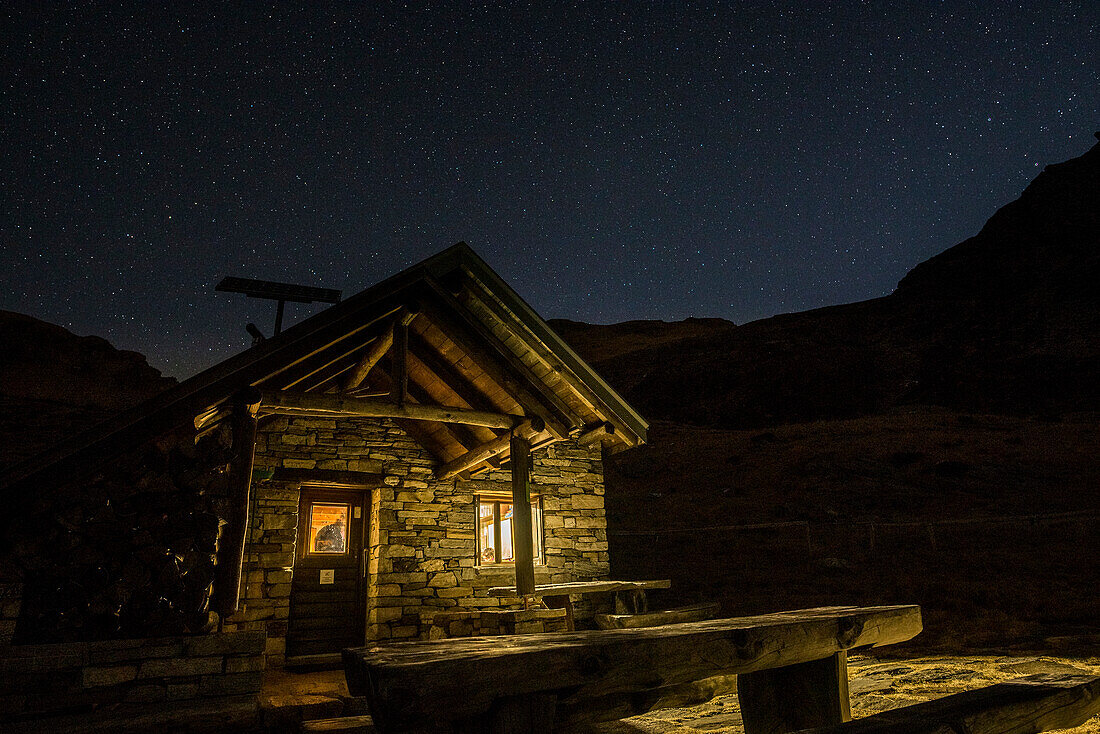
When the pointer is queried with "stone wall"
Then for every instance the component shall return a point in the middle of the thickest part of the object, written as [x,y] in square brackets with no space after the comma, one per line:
[422,544]
[42,679]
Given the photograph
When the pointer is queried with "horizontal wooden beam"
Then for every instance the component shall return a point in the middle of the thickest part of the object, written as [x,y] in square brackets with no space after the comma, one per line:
[598,434]
[488,450]
[329,406]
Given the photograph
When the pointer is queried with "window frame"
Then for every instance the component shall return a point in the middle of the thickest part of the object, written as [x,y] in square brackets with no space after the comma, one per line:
[308,520]
[537,527]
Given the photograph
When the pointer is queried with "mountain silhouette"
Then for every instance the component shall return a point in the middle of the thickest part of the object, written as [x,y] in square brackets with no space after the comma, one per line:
[1005,322]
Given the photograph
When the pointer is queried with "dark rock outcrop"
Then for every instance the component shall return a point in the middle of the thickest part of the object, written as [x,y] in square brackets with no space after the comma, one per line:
[54,383]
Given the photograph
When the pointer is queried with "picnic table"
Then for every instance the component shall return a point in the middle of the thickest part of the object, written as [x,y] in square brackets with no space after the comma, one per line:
[630,596]
[791,670]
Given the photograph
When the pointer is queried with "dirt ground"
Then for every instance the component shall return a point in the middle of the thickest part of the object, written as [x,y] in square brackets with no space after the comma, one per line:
[877,685]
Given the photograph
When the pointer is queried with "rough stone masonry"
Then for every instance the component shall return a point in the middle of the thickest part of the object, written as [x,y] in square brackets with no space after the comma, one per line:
[422,546]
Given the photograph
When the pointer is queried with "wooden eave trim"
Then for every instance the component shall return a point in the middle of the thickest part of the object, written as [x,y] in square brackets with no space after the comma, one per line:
[476,269]
[179,405]
[509,320]
[456,322]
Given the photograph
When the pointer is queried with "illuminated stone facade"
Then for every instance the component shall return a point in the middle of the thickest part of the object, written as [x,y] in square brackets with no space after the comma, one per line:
[422,557]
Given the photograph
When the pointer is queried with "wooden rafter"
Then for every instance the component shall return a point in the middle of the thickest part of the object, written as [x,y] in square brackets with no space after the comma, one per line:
[558,407]
[466,435]
[381,345]
[448,374]
[456,324]
[479,454]
[484,300]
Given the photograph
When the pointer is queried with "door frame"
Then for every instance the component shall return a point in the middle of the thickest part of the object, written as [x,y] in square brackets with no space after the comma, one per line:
[310,491]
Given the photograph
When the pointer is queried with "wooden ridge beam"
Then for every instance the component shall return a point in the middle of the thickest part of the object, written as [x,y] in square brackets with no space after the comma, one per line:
[327,406]
[529,428]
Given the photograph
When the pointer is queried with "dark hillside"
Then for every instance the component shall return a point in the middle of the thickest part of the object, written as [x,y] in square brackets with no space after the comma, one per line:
[1006,322]
[54,383]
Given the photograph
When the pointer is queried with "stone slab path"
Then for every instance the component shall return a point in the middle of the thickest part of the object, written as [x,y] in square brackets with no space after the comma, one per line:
[876,685]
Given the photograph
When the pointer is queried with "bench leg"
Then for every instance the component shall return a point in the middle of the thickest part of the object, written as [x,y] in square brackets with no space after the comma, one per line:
[561,602]
[631,602]
[795,697]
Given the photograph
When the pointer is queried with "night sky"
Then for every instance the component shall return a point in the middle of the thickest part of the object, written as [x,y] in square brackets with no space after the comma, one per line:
[612,162]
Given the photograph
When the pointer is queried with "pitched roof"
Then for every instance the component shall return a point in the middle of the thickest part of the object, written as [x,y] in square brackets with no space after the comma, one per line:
[473,344]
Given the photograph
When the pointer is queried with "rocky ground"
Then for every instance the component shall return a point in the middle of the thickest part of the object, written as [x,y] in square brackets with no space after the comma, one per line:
[878,684]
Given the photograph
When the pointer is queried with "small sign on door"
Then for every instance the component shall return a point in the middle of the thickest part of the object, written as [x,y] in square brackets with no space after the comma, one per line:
[328,576]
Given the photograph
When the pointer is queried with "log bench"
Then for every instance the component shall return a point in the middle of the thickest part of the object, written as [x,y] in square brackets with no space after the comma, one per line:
[691,613]
[630,596]
[791,669]
[1023,706]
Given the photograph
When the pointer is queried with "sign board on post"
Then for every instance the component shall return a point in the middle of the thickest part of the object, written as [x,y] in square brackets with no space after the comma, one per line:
[328,576]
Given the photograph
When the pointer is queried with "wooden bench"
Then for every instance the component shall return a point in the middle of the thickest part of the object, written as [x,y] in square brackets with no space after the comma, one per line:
[630,596]
[1023,706]
[785,662]
[691,613]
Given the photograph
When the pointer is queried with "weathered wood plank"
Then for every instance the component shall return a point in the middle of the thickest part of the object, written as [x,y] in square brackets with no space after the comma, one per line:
[1023,706]
[692,613]
[601,674]
[341,725]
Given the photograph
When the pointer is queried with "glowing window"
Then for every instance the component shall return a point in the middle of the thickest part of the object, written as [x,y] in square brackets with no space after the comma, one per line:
[328,528]
[494,530]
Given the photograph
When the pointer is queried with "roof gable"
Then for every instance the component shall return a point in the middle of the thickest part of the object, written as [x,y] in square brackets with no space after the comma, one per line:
[449,328]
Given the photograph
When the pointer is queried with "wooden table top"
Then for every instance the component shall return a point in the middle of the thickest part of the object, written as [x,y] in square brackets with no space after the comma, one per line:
[584,587]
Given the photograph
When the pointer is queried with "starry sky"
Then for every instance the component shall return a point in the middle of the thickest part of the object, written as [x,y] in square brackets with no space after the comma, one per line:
[612,161]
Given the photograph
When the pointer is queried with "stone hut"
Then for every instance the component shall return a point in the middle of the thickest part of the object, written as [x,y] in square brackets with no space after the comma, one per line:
[365,475]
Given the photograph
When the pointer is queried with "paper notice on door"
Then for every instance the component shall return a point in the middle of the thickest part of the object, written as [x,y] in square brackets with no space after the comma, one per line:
[328,576]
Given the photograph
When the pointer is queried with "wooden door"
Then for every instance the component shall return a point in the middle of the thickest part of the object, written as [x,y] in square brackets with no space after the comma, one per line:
[328,589]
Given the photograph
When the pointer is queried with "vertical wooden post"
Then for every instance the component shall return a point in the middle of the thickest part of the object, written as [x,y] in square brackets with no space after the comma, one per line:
[522,543]
[227,582]
[400,361]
